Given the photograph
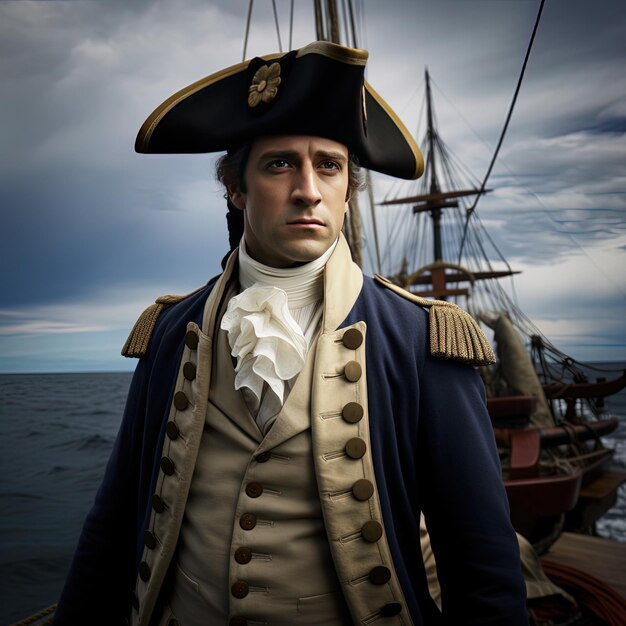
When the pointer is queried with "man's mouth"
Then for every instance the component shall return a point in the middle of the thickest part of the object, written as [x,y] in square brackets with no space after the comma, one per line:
[307,221]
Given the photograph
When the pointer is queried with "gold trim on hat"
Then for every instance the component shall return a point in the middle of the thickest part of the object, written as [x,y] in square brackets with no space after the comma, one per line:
[419,159]
[350,56]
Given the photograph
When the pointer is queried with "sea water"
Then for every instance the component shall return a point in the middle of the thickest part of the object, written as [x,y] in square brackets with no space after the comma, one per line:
[57,431]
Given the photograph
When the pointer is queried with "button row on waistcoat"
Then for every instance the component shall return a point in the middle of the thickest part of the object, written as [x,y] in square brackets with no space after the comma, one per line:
[352,338]
[247,521]
[240,589]
[144,571]
[352,371]
[352,412]
[356,448]
[149,538]
[172,430]
[158,503]
[243,555]
[181,402]
[372,531]
[189,370]
[363,489]
[380,575]
[391,609]
[191,339]
[167,465]
[238,621]
[254,489]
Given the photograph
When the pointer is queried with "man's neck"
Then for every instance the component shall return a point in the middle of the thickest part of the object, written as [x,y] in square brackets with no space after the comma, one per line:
[303,284]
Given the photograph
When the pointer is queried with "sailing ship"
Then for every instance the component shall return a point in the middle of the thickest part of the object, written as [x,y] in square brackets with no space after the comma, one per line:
[547,416]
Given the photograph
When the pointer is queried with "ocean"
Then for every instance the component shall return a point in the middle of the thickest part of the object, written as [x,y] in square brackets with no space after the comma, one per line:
[58,430]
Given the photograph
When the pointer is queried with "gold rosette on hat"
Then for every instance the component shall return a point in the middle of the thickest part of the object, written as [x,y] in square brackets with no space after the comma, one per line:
[264,85]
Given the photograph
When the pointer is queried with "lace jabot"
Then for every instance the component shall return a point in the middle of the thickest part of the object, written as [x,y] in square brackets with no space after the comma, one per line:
[270,325]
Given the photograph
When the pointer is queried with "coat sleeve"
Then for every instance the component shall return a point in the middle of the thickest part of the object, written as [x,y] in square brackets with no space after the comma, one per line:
[98,589]
[464,501]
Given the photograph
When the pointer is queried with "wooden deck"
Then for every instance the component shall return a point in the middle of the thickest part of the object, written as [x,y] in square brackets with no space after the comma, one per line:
[604,559]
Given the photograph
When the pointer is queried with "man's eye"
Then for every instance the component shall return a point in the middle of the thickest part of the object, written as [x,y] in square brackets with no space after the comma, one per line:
[279,163]
[330,165]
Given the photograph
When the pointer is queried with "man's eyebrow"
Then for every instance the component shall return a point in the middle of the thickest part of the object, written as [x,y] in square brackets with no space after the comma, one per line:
[331,154]
[294,154]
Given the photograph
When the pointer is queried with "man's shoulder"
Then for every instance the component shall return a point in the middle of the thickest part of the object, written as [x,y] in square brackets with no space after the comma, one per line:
[453,332]
[165,315]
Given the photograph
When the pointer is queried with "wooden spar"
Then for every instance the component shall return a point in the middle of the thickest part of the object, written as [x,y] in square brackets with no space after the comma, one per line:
[434,197]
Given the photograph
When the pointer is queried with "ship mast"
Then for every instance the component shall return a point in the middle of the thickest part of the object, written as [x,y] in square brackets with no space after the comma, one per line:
[437,275]
[329,30]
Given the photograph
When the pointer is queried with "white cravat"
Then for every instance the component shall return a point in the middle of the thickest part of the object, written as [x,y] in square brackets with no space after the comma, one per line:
[270,325]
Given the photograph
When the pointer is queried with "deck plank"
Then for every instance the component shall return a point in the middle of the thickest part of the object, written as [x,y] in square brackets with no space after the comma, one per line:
[602,558]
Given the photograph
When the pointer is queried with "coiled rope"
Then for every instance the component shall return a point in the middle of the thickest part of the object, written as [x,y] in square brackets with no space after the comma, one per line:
[36,617]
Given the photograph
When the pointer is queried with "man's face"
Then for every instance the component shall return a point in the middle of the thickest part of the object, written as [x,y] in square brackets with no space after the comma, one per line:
[295,200]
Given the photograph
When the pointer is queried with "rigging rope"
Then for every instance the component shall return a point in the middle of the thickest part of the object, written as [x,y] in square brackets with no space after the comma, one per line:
[291,26]
[280,45]
[471,210]
[245,39]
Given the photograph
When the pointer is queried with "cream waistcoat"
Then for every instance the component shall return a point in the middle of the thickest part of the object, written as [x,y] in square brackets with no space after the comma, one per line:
[283,563]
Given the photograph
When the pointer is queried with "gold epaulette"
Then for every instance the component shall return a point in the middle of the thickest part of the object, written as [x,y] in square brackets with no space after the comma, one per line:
[454,333]
[137,343]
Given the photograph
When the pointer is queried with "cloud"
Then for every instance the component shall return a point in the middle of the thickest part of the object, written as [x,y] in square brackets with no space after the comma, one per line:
[87,222]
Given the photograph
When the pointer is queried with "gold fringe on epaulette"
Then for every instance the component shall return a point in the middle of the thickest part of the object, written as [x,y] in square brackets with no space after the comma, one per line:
[454,333]
[136,345]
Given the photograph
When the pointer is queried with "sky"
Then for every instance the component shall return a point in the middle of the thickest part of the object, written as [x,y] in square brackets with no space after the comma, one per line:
[92,232]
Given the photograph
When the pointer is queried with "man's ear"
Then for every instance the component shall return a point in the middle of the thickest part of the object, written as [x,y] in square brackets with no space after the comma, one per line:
[237,198]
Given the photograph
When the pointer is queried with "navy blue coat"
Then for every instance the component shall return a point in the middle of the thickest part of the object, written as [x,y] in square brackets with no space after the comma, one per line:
[433,450]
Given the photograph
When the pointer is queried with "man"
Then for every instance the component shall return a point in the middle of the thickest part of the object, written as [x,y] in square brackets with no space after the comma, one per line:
[288,423]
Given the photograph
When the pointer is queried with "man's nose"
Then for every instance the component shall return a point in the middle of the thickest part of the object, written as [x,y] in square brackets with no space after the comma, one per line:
[306,186]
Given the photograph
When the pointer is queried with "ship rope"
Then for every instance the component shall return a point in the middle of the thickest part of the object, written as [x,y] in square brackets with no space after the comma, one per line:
[471,210]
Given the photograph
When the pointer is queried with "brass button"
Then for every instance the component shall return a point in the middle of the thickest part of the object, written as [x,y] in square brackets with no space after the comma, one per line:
[356,448]
[239,589]
[363,489]
[167,465]
[247,521]
[352,412]
[180,400]
[391,609]
[243,555]
[238,621]
[157,503]
[144,571]
[172,430]
[380,575]
[264,457]
[189,370]
[352,338]
[372,531]
[191,339]
[254,490]
[353,371]
[149,539]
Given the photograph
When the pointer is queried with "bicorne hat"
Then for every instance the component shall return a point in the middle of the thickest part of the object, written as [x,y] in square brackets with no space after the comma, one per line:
[317,90]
